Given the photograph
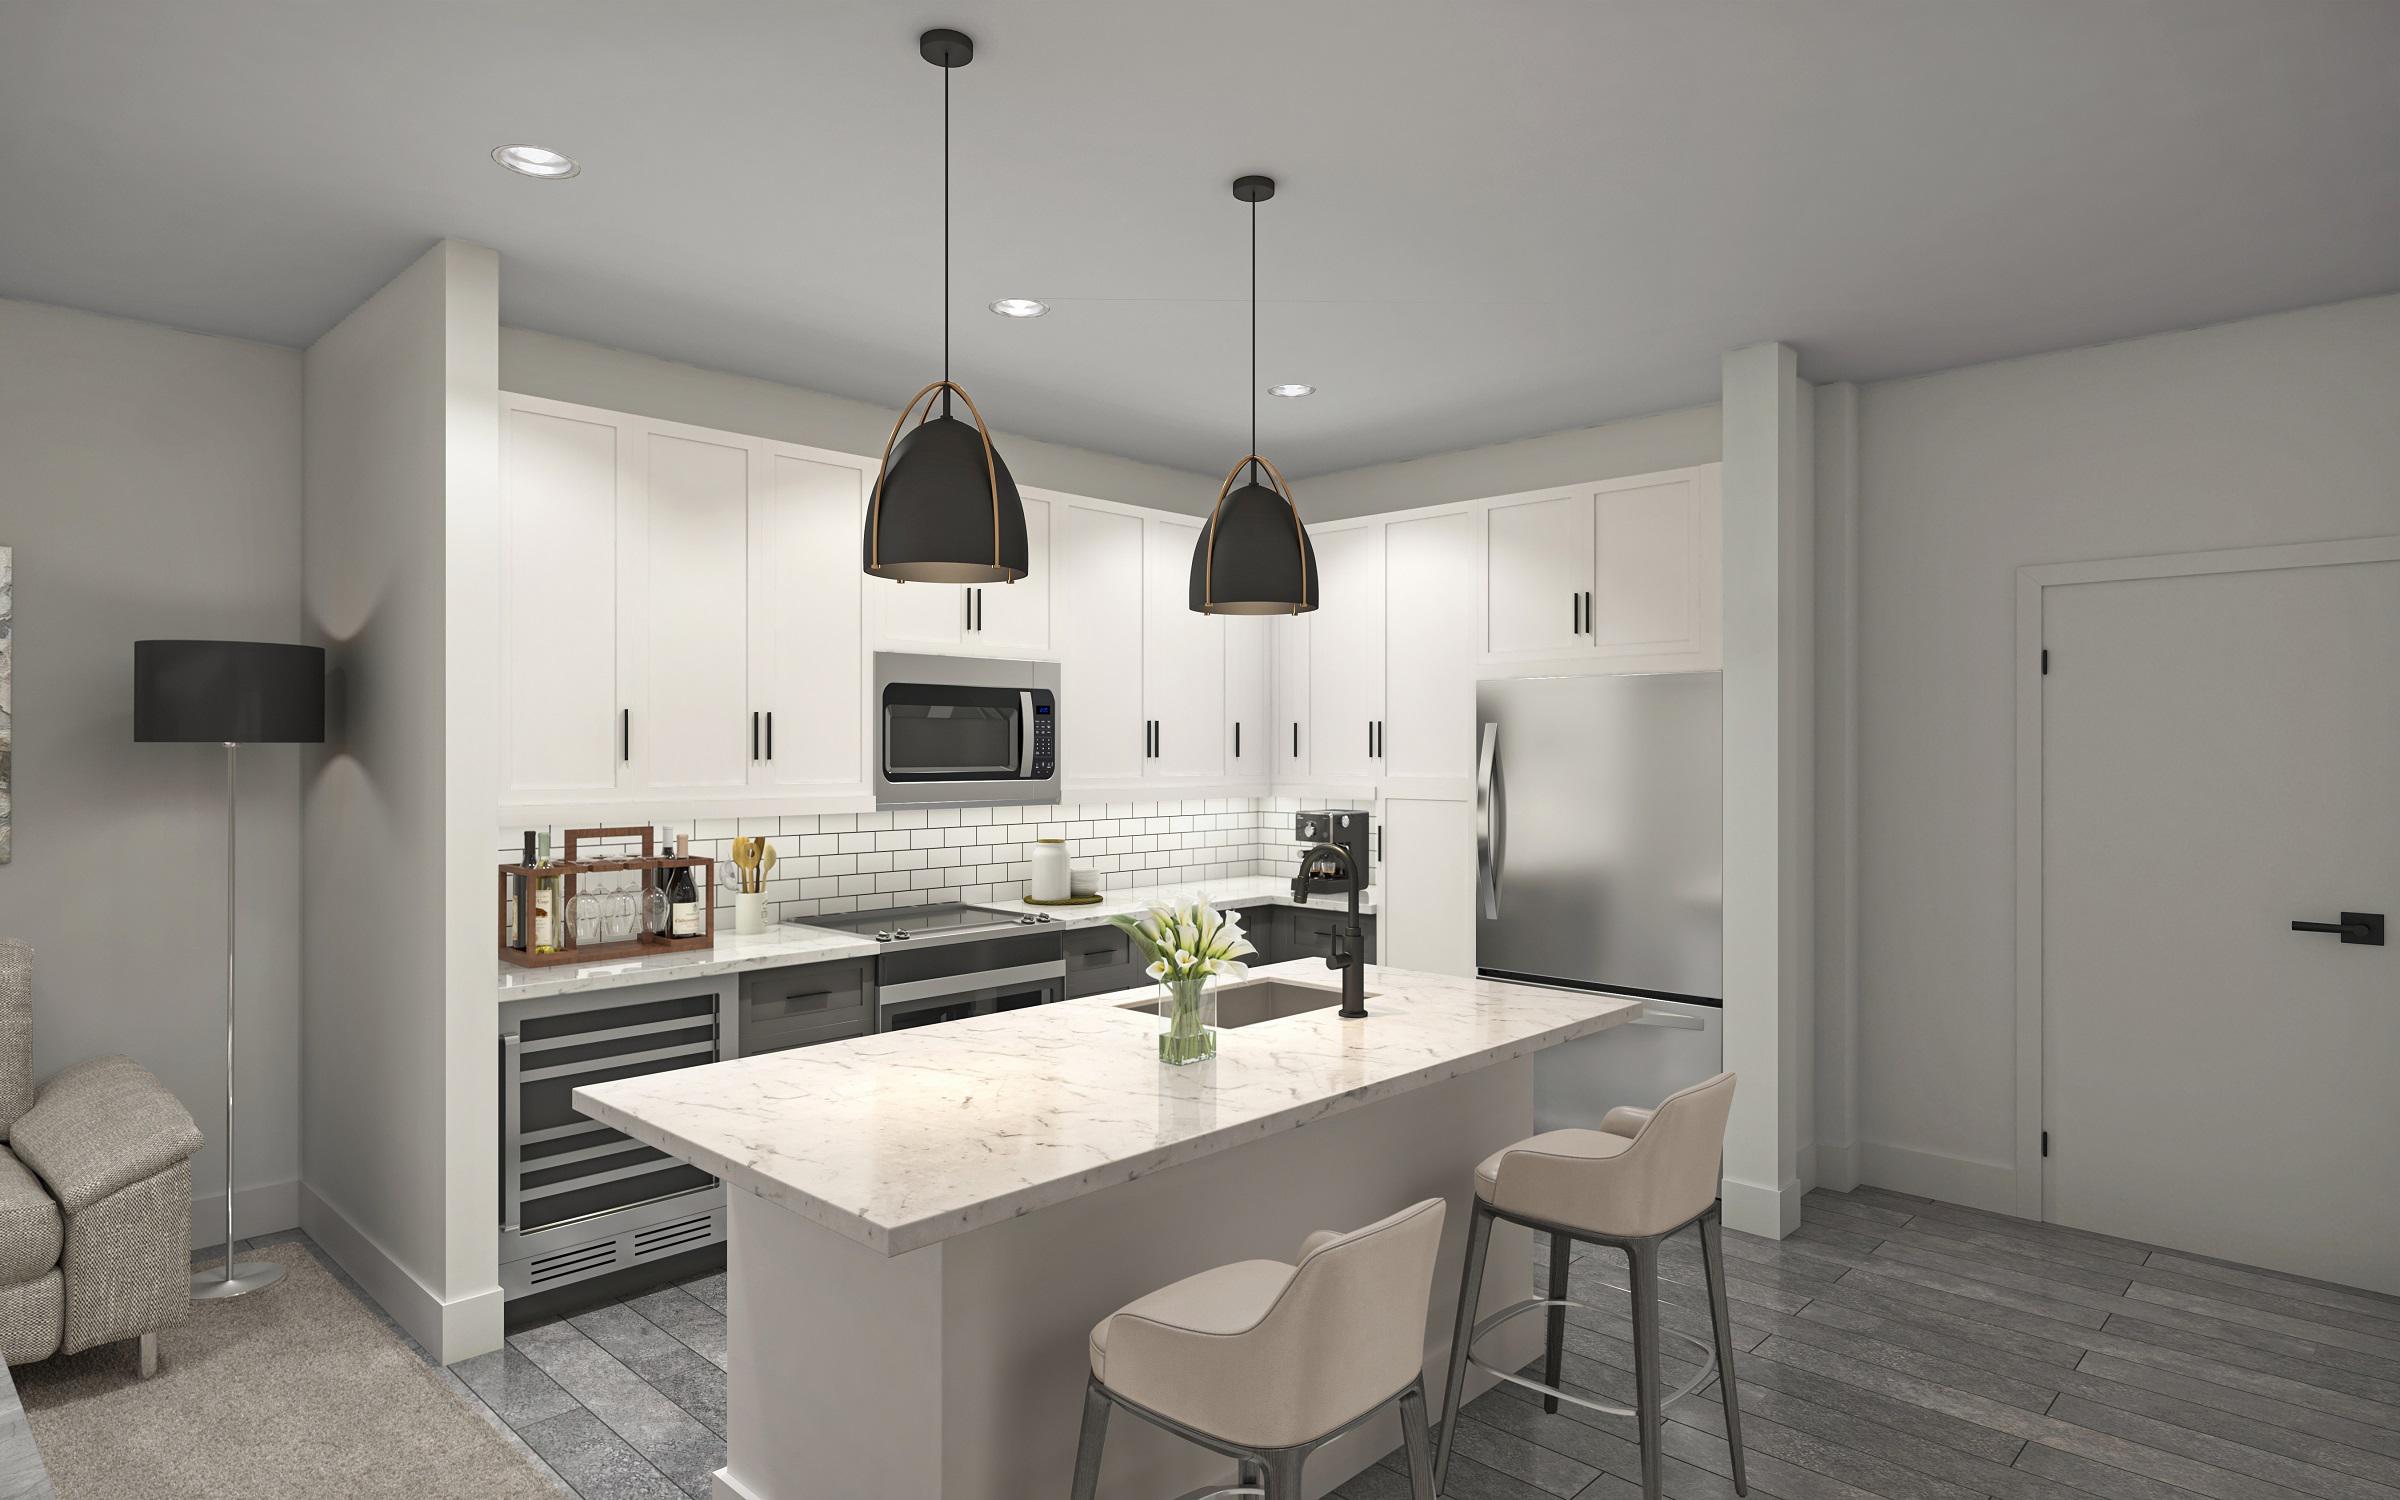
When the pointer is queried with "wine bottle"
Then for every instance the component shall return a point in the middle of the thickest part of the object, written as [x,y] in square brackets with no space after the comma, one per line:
[546,891]
[683,894]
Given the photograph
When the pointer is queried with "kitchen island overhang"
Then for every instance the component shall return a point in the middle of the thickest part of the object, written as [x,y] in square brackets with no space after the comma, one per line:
[923,1226]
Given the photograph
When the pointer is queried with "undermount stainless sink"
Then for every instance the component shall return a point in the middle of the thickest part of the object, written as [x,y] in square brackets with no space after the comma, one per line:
[1256,1000]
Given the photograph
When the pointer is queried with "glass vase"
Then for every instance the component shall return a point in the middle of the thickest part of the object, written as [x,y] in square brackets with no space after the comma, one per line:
[1189,1008]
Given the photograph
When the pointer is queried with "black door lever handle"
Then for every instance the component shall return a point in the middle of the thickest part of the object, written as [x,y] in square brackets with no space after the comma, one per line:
[2360,927]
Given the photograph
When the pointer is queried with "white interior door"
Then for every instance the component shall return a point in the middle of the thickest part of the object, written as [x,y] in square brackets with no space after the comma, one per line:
[691,612]
[1099,622]
[560,653]
[1183,660]
[2219,755]
[1429,648]
[806,657]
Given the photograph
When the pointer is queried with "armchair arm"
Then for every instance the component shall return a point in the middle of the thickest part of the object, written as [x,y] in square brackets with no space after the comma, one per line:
[1626,1120]
[100,1126]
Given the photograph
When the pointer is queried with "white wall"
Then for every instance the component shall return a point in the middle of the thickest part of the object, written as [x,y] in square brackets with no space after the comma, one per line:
[401,580]
[2274,429]
[563,369]
[1612,450]
[153,490]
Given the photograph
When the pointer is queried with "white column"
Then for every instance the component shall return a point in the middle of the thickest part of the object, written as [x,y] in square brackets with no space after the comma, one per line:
[1769,781]
[1835,1154]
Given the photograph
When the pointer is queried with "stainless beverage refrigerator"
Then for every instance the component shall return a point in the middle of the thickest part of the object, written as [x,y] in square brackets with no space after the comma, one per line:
[1600,847]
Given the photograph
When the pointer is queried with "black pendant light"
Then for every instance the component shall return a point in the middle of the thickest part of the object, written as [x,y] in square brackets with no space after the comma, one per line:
[1254,556]
[944,509]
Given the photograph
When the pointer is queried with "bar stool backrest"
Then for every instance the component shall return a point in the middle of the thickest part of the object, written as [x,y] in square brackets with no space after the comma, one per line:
[1662,1181]
[1346,1335]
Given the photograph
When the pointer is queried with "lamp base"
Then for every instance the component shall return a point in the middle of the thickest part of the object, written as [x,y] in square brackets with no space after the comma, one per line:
[248,1276]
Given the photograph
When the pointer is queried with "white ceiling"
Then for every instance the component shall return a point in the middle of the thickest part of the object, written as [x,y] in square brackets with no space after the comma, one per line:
[1498,218]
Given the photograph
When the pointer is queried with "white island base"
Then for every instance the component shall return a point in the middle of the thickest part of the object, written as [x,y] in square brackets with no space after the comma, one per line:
[957,1370]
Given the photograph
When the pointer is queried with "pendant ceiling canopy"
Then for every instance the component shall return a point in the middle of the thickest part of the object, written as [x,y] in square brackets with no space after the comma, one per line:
[944,508]
[1254,556]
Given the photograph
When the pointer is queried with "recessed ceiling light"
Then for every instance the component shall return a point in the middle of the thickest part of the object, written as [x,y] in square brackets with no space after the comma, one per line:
[1020,307]
[535,161]
[1294,389]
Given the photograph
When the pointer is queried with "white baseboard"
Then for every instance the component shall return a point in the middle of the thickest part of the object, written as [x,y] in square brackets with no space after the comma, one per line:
[259,1208]
[1836,1166]
[1755,1208]
[723,1486]
[453,1330]
[1964,1180]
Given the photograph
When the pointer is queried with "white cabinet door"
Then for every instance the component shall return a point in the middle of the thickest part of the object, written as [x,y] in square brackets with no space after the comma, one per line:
[560,652]
[1099,631]
[689,609]
[1654,545]
[1429,619]
[1537,567]
[917,616]
[1345,659]
[1290,736]
[1013,619]
[807,654]
[1425,916]
[1183,660]
[1249,741]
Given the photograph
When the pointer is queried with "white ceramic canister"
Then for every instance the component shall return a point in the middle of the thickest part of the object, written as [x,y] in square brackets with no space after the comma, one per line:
[1050,878]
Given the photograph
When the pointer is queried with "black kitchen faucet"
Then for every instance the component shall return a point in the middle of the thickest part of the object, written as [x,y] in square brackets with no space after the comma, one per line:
[1342,835]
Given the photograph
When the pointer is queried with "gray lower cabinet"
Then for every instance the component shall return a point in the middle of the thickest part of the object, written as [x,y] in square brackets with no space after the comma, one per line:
[806,1004]
[1100,961]
[1309,933]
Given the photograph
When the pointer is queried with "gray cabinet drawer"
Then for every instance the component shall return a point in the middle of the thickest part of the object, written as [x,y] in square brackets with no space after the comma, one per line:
[809,1003]
[1100,961]
[1309,933]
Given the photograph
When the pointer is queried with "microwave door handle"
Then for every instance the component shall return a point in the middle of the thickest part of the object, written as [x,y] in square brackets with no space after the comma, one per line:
[1024,735]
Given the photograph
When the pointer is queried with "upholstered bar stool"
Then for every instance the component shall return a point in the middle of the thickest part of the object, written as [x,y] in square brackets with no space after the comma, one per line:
[1266,1362]
[1642,1176]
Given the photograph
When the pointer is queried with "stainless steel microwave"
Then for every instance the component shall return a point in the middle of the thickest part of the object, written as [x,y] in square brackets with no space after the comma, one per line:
[964,729]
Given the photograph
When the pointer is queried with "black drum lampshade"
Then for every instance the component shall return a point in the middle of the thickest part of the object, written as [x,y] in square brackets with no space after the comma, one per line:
[945,509]
[1254,557]
[228,692]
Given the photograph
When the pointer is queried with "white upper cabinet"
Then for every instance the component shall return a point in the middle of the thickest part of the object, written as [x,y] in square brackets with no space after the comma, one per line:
[1183,661]
[1290,647]
[985,619]
[561,658]
[688,609]
[1249,739]
[1428,638]
[1345,659]
[1104,736]
[807,657]
[1618,576]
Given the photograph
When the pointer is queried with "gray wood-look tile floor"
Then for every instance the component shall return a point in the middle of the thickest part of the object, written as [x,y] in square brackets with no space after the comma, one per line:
[1894,1348]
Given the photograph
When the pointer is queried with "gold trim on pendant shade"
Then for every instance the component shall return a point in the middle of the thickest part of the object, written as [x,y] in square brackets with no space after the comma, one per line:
[1208,576]
[991,471]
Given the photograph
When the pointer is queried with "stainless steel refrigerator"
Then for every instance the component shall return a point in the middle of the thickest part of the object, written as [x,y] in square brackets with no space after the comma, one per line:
[1600,851]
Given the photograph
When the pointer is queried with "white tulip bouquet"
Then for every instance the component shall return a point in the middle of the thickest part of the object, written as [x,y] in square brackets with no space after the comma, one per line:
[1189,944]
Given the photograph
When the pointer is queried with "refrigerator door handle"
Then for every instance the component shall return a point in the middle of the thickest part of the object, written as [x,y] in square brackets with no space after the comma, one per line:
[1489,841]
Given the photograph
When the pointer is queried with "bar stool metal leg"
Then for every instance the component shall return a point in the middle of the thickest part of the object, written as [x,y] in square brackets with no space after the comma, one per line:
[1562,1250]
[1649,1389]
[1283,1472]
[1712,1255]
[1412,1441]
[1087,1445]
[1253,1475]
[1470,1292]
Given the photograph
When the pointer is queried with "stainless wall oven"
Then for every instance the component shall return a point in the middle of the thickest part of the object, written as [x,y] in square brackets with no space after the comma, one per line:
[969,730]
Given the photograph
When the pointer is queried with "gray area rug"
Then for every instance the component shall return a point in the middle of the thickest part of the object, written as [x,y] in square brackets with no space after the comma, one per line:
[296,1391]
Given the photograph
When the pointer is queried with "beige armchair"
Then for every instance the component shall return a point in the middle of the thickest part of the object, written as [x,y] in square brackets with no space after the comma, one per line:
[95,1195]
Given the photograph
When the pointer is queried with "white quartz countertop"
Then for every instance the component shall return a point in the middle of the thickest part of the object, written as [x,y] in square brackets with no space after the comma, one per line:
[790,944]
[905,1139]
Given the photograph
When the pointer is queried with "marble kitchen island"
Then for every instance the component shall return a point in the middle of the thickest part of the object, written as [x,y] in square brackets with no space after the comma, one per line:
[924,1225]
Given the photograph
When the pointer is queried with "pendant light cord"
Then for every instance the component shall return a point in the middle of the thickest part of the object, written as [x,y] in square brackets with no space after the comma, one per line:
[1254,338]
[946,71]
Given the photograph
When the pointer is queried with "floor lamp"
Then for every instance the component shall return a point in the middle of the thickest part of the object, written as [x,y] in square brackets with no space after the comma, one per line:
[231,693]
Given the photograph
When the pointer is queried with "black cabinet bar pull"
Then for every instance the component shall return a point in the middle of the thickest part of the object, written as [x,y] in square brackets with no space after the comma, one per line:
[1588,627]
[1575,612]
[770,734]
[754,734]
[1237,739]
[625,734]
[1295,739]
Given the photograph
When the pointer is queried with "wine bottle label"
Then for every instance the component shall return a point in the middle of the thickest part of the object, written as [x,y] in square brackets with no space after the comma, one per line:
[545,937]
[687,919]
